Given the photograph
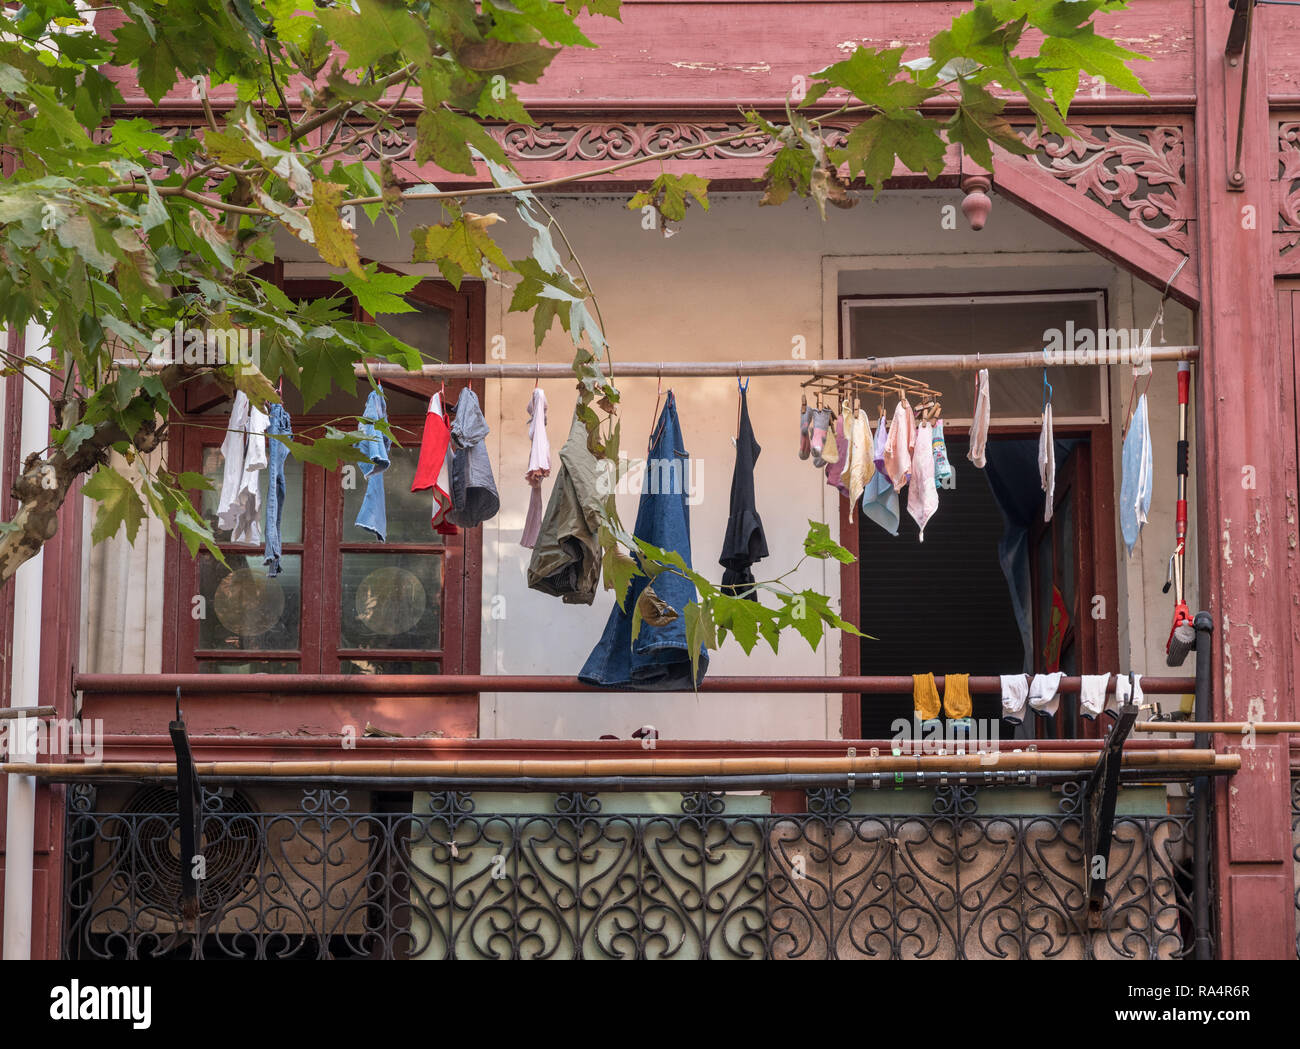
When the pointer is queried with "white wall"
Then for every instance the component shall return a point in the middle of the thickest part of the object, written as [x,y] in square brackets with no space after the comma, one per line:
[740,283]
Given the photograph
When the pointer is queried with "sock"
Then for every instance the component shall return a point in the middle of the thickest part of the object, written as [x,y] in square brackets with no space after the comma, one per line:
[821,420]
[831,449]
[805,421]
[925,697]
[956,695]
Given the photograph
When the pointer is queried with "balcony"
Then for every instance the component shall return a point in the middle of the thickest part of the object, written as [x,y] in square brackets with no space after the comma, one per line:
[956,871]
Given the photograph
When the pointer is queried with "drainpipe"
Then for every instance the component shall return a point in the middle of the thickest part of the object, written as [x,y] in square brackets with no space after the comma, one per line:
[24,683]
[1203,949]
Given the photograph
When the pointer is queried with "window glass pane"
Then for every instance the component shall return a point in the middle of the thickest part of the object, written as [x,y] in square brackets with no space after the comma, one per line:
[290,519]
[243,609]
[253,666]
[390,666]
[391,601]
[892,328]
[409,513]
[428,329]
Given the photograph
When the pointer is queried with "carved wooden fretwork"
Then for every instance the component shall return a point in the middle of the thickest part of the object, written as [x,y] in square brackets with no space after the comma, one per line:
[1287,188]
[1134,172]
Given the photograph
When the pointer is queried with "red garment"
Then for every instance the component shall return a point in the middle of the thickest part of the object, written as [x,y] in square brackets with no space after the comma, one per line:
[432,469]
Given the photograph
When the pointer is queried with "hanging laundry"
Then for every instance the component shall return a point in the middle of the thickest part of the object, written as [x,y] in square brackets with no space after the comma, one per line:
[744,542]
[1042,693]
[805,430]
[659,659]
[821,422]
[1092,694]
[862,468]
[1015,692]
[835,471]
[474,496]
[1047,461]
[957,703]
[944,475]
[922,496]
[567,557]
[277,452]
[831,449]
[433,469]
[1135,483]
[373,515]
[898,446]
[925,697]
[879,499]
[1124,696]
[239,505]
[539,466]
[979,424]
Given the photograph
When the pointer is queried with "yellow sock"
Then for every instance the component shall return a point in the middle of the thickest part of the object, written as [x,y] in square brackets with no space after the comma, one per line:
[956,695]
[925,696]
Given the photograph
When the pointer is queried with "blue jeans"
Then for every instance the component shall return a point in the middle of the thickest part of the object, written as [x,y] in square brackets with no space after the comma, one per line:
[659,658]
[276,453]
[373,515]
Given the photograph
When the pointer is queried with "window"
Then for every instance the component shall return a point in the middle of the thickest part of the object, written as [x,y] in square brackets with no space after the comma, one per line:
[993,589]
[344,603]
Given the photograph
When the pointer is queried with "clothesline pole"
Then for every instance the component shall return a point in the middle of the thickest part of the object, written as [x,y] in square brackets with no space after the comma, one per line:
[935,362]
[964,362]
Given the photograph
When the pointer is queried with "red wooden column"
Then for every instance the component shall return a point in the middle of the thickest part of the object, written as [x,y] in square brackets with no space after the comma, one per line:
[1243,527]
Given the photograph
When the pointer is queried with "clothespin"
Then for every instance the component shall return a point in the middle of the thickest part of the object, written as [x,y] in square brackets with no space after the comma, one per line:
[537,382]
[1047,392]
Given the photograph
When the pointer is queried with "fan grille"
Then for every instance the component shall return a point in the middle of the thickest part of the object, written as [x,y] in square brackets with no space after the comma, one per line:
[231,847]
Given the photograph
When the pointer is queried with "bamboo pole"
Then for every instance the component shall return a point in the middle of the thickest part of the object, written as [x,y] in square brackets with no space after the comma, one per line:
[1003,761]
[1262,728]
[921,362]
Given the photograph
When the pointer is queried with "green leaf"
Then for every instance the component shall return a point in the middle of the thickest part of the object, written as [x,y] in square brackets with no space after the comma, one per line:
[618,570]
[912,138]
[380,292]
[818,543]
[700,633]
[381,29]
[120,505]
[458,249]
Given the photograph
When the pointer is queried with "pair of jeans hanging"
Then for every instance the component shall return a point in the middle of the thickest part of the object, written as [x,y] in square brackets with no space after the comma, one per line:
[278,424]
[659,659]
[373,515]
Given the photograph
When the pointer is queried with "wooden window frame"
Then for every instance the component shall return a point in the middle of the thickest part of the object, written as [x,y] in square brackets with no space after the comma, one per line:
[319,651]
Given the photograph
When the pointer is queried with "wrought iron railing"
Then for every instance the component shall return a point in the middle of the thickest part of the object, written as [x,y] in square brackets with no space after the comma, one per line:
[1295,854]
[305,874]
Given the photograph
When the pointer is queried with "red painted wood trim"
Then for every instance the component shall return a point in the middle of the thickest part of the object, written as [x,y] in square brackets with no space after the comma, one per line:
[1242,386]
[1069,211]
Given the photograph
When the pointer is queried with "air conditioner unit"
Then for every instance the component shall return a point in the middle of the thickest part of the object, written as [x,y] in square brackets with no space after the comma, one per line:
[271,867]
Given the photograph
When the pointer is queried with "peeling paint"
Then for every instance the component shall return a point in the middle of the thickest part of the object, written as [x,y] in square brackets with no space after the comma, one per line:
[1227,666]
[709,67]
[1255,638]
[1227,544]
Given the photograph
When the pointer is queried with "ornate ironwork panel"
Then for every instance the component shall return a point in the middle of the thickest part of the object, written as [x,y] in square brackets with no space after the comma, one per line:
[323,873]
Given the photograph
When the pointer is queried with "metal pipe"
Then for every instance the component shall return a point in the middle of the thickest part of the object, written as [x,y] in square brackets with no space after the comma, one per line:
[1262,728]
[25,669]
[423,685]
[788,780]
[921,362]
[1067,761]
[1203,948]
